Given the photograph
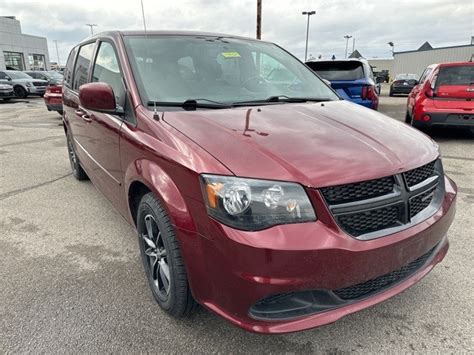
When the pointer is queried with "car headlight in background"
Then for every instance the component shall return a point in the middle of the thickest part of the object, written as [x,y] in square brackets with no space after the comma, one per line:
[251,204]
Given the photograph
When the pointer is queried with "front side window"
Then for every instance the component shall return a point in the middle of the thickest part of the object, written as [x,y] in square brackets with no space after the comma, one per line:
[106,69]
[81,71]
[226,70]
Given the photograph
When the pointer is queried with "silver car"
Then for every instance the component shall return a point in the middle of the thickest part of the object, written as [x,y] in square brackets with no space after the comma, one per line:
[23,84]
[6,91]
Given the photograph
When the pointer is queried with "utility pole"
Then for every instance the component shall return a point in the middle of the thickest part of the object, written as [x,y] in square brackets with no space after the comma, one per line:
[259,19]
[57,52]
[347,42]
[307,13]
[91,25]
[353,44]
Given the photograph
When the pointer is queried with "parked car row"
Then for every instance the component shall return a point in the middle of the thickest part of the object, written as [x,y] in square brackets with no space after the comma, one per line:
[47,84]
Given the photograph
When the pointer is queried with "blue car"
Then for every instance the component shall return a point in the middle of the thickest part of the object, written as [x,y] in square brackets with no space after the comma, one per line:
[351,78]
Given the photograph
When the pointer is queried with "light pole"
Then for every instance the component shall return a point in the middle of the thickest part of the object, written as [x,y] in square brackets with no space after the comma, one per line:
[347,37]
[393,47]
[259,19]
[57,52]
[307,13]
[91,25]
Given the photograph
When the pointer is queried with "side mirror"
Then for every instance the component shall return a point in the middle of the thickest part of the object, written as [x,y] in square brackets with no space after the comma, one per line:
[97,97]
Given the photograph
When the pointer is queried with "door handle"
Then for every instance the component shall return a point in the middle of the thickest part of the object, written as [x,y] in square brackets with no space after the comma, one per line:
[83,114]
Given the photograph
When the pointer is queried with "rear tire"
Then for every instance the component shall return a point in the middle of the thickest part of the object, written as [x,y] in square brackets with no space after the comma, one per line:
[408,119]
[390,93]
[20,92]
[162,260]
[76,167]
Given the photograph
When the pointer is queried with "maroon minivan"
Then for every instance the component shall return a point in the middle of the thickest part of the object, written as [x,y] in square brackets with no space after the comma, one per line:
[255,190]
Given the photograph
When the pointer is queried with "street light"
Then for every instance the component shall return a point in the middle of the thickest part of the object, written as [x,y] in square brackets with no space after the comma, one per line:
[347,37]
[91,25]
[307,13]
[393,47]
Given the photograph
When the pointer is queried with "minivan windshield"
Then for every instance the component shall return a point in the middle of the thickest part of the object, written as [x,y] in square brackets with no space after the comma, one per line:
[176,69]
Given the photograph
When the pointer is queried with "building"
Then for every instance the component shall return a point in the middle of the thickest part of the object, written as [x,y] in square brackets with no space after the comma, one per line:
[416,61]
[19,51]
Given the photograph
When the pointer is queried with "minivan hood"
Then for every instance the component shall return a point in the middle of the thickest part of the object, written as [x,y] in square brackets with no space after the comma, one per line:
[316,145]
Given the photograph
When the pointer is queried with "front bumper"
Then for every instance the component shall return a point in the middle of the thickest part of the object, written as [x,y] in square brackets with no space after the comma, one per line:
[37,90]
[6,94]
[230,271]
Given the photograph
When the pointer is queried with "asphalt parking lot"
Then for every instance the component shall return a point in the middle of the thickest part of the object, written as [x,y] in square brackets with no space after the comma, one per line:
[71,279]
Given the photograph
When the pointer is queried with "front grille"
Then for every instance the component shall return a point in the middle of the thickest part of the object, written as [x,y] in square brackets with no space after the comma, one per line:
[382,282]
[370,221]
[36,83]
[420,202]
[420,174]
[358,191]
[374,208]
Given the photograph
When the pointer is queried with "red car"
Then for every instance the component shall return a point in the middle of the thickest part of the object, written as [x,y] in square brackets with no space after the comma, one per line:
[274,204]
[53,98]
[443,97]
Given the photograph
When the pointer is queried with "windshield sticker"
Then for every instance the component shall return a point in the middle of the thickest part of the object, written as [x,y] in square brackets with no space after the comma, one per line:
[231,54]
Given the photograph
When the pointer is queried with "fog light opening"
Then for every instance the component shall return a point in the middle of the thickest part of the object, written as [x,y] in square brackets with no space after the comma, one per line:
[426,118]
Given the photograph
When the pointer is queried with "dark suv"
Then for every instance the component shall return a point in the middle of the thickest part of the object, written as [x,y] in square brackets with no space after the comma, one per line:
[255,190]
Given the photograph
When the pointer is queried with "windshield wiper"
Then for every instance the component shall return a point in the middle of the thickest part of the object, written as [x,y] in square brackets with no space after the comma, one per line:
[282,98]
[192,104]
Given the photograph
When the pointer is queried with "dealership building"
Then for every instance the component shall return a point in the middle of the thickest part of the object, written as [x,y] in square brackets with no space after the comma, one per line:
[415,61]
[20,51]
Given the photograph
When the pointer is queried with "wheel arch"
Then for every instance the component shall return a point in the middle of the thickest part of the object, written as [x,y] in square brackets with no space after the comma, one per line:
[146,176]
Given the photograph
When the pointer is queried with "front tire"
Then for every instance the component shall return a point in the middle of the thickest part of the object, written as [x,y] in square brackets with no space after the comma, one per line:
[162,258]
[20,92]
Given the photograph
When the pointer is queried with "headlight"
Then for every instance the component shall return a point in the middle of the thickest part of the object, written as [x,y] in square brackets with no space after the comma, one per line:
[251,204]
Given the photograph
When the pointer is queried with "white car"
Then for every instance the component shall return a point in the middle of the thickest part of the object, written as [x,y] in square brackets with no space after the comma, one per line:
[6,91]
[23,84]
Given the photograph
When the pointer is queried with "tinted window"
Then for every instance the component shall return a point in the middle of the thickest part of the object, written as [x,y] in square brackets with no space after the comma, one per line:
[106,70]
[458,75]
[68,70]
[334,70]
[81,71]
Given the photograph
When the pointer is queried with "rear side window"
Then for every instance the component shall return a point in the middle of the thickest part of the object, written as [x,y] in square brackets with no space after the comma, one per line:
[425,75]
[350,70]
[68,71]
[457,75]
[81,71]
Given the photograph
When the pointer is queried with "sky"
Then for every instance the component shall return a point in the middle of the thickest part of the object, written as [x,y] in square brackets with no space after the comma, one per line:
[373,23]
